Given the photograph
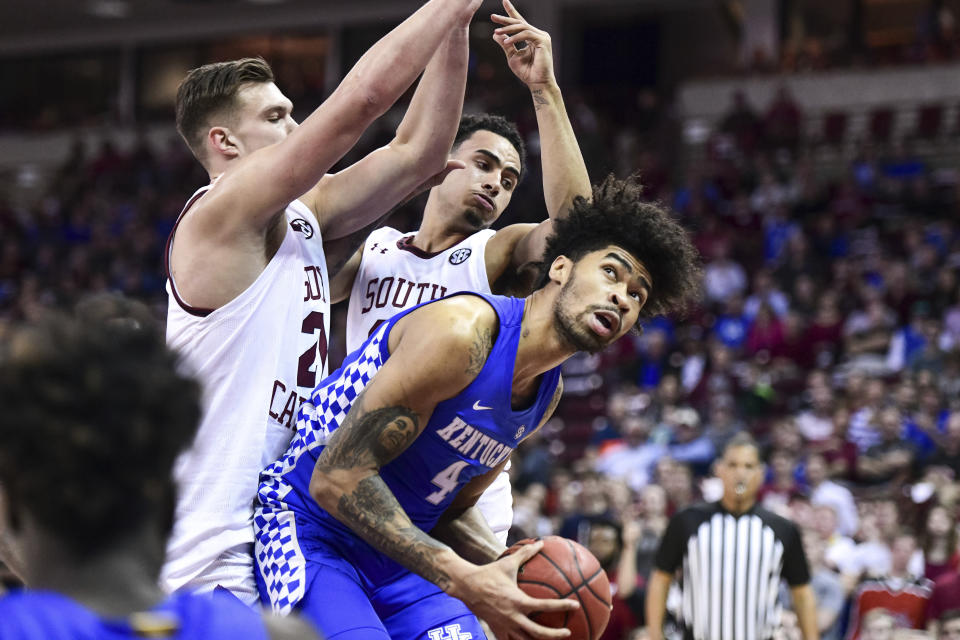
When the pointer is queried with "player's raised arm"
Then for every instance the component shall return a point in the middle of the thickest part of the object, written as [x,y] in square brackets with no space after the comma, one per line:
[435,353]
[359,195]
[530,56]
[263,183]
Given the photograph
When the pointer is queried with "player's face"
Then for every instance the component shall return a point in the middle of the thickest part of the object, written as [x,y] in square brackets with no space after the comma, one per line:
[262,117]
[741,471]
[478,194]
[601,298]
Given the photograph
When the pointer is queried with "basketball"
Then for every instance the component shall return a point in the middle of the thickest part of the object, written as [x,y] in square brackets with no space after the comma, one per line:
[565,569]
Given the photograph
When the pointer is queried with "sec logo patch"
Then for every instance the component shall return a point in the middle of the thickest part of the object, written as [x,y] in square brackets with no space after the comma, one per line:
[303,227]
[460,255]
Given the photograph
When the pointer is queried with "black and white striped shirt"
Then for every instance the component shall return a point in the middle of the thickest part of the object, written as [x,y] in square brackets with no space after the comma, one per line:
[732,567]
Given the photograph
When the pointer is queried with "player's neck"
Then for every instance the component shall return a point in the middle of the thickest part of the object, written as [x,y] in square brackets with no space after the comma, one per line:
[541,347]
[115,582]
[434,236]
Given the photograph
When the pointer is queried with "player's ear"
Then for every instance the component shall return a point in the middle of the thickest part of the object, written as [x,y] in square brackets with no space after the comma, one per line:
[223,142]
[560,269]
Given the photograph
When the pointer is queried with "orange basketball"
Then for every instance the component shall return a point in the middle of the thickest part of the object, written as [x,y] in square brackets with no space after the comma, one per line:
[565,569]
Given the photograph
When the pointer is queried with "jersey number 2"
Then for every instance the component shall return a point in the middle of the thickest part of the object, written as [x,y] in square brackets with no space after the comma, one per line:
[306,372]
[447,480]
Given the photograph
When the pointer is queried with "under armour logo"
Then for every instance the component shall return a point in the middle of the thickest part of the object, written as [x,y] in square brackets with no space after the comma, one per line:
[520,431]
[449,632]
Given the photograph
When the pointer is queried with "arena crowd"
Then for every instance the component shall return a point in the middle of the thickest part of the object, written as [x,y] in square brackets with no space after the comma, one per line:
[829,329]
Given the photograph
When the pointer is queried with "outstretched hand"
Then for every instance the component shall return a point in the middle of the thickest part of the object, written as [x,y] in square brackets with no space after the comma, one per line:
[529,50]
[492,593]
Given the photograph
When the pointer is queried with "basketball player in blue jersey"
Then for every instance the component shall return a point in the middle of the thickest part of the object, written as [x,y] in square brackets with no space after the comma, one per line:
[367,524]
[454,249]
[94,413]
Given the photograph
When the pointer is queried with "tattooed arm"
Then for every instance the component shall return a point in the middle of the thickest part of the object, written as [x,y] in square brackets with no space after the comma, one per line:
[435,352]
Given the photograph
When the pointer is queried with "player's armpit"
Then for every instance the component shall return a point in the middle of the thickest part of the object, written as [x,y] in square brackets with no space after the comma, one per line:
[342,265]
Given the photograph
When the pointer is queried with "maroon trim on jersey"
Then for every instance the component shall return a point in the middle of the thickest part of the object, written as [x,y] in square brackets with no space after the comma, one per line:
[406,244]
[194,311]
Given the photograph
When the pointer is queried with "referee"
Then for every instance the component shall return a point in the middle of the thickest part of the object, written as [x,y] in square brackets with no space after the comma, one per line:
[733,554]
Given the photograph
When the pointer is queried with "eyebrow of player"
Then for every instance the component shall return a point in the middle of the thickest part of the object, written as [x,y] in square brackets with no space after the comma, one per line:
[496,160]
[628,267]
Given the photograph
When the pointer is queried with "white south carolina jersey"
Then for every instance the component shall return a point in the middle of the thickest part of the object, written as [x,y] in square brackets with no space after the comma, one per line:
[394,276]
[257,357]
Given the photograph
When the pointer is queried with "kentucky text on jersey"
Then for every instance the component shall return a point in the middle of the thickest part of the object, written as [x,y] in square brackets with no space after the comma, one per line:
[472,443]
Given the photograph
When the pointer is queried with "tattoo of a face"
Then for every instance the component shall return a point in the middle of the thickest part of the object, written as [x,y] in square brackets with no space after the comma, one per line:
[479,351]
[370,438]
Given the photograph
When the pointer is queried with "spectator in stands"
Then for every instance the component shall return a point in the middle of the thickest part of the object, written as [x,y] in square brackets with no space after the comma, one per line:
[782,481]
[689,444]
[816,422]
[783,121]
[838,549]
[888,462]
[949,625]
[824,491]
[722,421]
[742,123]
[614,546]
[878,624]
[723,277]
[867,332]
[766,293]
[633,460]
[902,594]
[947,453]
[827,587]
[766,333]
[940,552]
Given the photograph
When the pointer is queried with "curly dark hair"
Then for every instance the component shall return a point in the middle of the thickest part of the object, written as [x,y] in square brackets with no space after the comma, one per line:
[618,215]
[94,414]
[470,123]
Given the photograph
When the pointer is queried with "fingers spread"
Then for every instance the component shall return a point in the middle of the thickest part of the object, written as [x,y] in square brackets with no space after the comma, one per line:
[511,10]
[550,604]
[525,552]
[539,631]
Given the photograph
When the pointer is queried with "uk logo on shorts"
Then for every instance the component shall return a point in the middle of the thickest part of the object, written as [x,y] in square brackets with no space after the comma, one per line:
[303,227]
[449,632]
[460,255]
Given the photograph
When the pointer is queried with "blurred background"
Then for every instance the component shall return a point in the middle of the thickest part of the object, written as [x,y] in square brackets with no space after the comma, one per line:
[810,146]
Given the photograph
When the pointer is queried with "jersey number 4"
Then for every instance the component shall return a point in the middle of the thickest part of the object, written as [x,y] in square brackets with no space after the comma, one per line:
[447,480]
[306,371]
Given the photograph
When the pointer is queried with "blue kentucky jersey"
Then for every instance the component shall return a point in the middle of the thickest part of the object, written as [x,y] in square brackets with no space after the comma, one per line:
[41,615]
[466,436]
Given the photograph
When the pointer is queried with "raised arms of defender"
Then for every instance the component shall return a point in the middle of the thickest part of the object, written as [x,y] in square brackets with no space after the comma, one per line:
[565,174]
[436,352]
[226,241]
